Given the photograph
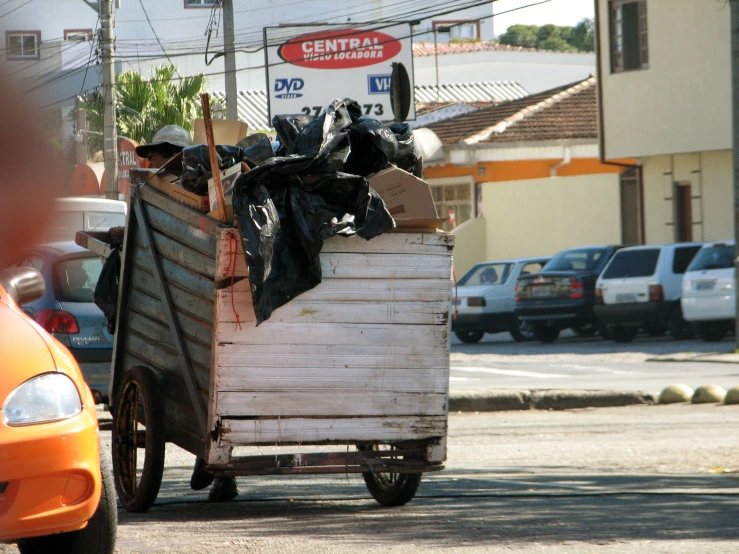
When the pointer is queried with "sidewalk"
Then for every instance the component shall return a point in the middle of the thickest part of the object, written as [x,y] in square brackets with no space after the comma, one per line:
[498,400]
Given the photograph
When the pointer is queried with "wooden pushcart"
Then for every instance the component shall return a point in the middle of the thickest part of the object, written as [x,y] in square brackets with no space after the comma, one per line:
[361,360]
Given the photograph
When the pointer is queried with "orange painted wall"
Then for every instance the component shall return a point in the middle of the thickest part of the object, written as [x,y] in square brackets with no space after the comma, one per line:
[526,169]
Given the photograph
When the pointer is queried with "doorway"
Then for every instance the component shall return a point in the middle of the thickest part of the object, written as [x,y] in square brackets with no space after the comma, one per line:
[683,212]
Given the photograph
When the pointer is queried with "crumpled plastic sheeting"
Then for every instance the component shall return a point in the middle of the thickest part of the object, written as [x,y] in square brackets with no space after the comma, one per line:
[289,205]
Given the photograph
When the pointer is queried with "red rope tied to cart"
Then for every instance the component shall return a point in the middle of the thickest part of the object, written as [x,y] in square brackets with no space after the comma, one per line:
[233,251]
[456,294]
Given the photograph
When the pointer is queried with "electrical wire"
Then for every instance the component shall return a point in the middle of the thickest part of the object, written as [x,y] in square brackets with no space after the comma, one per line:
[155,33]
[16,9]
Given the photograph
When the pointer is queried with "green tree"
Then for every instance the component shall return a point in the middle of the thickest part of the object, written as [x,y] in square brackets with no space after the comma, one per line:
[583,35]
[552,37]
[520,35]
[146,105]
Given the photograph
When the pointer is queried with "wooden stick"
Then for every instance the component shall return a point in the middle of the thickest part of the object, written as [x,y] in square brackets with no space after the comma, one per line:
[215,169]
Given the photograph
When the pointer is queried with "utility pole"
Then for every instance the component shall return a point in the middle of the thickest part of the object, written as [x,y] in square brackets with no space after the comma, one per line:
[232,92]
[735,121]
[81,146]
[110,134]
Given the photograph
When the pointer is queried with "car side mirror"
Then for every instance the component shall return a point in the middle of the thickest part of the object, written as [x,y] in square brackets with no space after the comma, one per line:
[23,284]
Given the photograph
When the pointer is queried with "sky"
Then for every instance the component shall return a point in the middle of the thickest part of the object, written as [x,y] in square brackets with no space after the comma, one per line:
[558,12]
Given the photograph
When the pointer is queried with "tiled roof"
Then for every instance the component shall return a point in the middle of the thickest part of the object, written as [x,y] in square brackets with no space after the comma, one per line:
[567,112]
[431,49]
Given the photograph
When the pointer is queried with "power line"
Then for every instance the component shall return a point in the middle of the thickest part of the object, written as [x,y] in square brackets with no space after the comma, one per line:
[16,9]
[153,31]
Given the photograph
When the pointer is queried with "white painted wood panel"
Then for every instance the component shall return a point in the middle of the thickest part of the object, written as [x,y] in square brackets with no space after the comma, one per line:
[361,380]
[314,430]
[347,334]
[328,404]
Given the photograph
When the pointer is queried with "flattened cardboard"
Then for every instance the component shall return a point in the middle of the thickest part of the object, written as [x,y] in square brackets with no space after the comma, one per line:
[225,131]
[228,178]
[408,199]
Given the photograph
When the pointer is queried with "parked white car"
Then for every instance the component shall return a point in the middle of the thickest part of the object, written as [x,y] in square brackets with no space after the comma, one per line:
[709,295]
[641,287]
[486,297]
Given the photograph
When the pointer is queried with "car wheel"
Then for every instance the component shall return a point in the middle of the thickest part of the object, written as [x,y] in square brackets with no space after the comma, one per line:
[138,428]
[520,330]
[655,330]
[99,535]
[621,333]
[469,337]
[390,489]
[712,331]
[585,330]
[545,333]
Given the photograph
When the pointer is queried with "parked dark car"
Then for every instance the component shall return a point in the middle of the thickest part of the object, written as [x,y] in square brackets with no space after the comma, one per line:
[562,294]
[66,310]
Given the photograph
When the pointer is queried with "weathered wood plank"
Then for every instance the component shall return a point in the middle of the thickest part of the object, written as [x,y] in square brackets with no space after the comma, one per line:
[307,404]
[314,430]
[162,336]
[159,356]
[176,275]
[195,329]
[332,355]
[192,217]
[319,380]
[283,334]
[181,231]
[179,254]
[387,313]
[360,290]
[183,300]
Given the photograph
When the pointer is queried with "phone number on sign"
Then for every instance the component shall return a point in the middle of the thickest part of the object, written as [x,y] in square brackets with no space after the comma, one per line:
[369,109]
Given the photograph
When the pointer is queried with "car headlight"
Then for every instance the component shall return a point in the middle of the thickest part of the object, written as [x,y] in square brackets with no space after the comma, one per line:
[48,397]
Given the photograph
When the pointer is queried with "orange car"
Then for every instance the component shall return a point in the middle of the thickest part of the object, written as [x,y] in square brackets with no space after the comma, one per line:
[56,495]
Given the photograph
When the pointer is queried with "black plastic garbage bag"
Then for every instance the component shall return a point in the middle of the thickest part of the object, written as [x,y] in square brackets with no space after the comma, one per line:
[196,170]
[105,295]
[373,147]
[287,206]
[257,152]
[288,127]
[406,155]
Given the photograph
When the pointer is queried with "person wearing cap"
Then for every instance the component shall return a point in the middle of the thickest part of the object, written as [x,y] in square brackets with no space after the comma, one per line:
[168,142]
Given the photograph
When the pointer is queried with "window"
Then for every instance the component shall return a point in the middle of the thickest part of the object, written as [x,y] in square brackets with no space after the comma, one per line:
[683,256]
[22,45]
[487,274]
[582,260]
[453,201]
[534,267]
[716,256]
[632,263]
[74,280]
[457,30]
[200,3]
[629,47]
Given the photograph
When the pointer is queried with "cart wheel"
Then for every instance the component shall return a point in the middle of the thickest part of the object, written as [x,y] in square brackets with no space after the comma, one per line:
[390,489]
[138,424]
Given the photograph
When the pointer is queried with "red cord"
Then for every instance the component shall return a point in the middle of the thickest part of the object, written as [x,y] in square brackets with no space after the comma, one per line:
[456,294]
[232,253]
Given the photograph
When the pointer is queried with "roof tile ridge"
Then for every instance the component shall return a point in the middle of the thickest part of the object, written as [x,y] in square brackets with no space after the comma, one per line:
[523,113]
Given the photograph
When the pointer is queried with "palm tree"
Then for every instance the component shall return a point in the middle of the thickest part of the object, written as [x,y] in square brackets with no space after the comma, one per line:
[146,105]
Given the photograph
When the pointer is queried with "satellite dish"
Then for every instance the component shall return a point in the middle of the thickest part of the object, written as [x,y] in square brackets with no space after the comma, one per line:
[400,92]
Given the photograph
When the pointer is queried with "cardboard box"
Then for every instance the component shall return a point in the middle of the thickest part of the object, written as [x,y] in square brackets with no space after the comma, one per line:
[225,131]
[166,179]
[408,199]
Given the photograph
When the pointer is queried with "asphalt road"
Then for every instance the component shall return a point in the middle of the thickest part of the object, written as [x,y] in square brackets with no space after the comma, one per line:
[637,479]
[585,363]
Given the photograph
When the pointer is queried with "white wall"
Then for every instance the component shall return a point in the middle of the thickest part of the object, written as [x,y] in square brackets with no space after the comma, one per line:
[535,71]
[710,177]
[543,216]
[682,101]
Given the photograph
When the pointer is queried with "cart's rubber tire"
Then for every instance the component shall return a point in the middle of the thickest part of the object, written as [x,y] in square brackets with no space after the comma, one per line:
[391,489]
[469,337]
[712,331]
[521,331]
[623,334]
[545,333]
[99,535]
[139,385]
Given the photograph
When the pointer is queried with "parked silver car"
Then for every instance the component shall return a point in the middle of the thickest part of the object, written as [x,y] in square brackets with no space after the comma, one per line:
[486,298]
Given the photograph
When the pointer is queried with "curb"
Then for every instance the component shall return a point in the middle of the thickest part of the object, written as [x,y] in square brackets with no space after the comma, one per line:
[500,400]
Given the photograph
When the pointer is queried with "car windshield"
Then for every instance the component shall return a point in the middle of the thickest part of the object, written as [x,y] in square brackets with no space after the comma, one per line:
[487,274]
[582,259]
[715,256]
[632,263]
[75,279]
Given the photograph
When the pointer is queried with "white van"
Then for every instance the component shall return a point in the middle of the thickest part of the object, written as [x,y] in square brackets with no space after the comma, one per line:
[708,298]
[70,215]
[640,288]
